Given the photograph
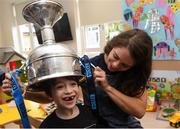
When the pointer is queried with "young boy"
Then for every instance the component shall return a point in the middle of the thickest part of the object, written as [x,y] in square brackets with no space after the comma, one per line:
[65,92]
[68,114]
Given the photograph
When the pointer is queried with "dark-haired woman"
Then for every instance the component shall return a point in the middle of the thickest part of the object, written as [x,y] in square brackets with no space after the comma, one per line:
[121,74]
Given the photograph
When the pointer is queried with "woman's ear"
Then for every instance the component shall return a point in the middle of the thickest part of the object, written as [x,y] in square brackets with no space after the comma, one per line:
[80,98]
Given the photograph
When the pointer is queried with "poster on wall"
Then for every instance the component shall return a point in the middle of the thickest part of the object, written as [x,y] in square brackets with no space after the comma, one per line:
[113,28]
[167,83]
[167,87]
[160,18]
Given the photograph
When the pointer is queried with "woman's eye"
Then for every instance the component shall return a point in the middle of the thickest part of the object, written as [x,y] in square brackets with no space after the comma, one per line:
[125,66]
[115,57]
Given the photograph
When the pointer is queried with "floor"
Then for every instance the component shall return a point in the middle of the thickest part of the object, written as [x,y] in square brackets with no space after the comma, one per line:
[148,121]
[11,125]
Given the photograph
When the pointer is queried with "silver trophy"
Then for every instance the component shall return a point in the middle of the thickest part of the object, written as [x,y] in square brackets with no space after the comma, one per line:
[50,60]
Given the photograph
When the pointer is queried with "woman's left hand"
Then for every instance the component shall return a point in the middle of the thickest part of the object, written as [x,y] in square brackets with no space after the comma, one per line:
[100,78]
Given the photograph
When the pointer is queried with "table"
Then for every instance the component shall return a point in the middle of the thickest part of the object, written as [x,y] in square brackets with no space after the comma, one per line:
[10,113]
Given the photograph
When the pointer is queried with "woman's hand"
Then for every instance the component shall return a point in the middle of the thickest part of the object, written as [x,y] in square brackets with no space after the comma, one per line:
[100,78]
[132,105]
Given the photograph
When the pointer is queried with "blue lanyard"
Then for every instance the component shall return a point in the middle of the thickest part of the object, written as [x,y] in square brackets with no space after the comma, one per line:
[17,94]
[90,84]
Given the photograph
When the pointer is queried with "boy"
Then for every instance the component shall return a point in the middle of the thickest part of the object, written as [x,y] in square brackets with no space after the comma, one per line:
[2,76]
[65,92]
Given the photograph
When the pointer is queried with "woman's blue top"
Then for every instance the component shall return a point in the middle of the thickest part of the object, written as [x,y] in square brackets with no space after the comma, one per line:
[108,110]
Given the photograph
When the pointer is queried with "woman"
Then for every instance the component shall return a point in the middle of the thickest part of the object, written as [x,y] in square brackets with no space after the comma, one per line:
[121,74]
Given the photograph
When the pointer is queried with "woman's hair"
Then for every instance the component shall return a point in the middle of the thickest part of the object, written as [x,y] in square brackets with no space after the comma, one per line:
[48,84]
[139,44]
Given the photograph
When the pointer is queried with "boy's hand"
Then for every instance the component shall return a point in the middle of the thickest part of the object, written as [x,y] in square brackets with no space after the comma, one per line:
[7,86]
[100,78]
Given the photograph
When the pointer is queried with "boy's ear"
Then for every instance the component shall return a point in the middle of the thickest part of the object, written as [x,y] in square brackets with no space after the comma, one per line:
[82,80]
[50,99]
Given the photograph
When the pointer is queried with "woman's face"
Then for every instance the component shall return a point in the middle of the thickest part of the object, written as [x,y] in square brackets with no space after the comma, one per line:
[65,93]
[119,59]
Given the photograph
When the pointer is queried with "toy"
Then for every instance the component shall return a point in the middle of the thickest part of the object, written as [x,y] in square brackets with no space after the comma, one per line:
[151,93]
[166,110]
[175,120]
[175,88]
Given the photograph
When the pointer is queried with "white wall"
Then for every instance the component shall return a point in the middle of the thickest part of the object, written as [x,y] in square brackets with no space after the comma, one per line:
[99,11]
[6,18]
[68,6]
[91,12]
[6,22]
[0,32]
[1,15]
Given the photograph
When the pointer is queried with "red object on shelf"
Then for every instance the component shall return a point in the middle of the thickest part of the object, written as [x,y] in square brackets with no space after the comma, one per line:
[155,108]
[12,65]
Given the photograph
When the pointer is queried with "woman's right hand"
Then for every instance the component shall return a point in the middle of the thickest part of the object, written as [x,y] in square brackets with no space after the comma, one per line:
[100,78]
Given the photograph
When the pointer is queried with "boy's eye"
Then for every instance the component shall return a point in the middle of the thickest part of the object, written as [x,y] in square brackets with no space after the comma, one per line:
[59,86]
[73,83]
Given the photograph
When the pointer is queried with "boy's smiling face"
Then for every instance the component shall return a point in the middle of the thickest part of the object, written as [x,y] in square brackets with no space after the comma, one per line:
[65,93]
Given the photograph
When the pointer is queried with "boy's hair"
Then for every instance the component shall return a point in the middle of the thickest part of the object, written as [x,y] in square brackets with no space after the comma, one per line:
[48,84]
[2,76]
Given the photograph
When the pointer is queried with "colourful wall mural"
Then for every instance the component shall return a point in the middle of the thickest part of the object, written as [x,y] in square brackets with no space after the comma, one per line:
[161,19]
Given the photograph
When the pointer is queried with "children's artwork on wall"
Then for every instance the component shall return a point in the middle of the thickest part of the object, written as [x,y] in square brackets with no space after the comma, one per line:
[114,28]
[160,18]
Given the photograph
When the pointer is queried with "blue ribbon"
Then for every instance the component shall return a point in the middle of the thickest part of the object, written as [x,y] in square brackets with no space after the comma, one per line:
[17,94]
[90,84]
